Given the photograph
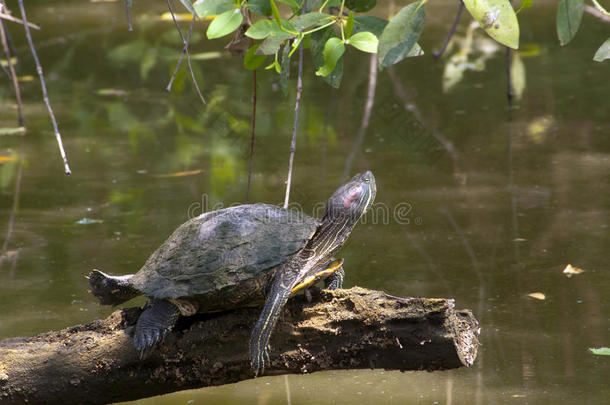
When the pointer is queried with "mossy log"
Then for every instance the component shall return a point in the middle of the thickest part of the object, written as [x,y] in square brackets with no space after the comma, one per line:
[356,328]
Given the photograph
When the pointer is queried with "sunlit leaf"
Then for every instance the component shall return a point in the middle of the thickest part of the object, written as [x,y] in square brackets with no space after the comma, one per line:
[569,15]
[271,45]
[401,34]
[537,295]
[601,351]
[497,18]
[225,24]
[318,40]
[111,92]
[360,6]
[370,23]
[180,174]
[305,21]
[262,29]
[364,41]
[333,50]
[570,271]
[189,6]
[251,60]
[205,8]
[167,16]
[12,131]
[517,76]
[603,52]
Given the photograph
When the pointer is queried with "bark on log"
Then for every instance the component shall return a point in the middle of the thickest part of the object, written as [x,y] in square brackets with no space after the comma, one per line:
[96,363]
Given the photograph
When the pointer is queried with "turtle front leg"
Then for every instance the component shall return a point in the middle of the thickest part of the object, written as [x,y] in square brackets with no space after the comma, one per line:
[158,318]
[261,333]
[335,280]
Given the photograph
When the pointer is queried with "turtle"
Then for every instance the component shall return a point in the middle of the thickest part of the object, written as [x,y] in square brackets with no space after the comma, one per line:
[248,255]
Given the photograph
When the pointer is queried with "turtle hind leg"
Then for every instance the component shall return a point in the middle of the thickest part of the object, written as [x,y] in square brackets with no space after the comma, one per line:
[158,318]
[111,290]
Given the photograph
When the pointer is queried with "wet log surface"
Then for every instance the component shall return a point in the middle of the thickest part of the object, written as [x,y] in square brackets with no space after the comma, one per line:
[96,363]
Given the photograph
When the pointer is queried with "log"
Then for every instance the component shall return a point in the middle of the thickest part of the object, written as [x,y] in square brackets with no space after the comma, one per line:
[96,363]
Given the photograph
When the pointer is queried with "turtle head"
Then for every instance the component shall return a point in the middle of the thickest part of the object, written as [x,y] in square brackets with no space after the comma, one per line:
[352,199]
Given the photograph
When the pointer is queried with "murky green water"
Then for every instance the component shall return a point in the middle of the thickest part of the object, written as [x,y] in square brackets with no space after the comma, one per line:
[479,208]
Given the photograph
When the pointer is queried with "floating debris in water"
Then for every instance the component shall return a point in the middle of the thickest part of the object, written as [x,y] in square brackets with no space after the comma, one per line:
[88,221]
[570,270]
[180,174]
[537,295]
[601,351]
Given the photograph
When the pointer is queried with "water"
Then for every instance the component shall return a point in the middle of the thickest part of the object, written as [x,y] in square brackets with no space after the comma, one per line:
[479,207]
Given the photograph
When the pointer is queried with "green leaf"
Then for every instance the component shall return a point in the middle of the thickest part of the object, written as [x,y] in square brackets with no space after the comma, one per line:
[206,8]
[569,15]
[525,4]
[262,29]
[305,21]
[365,41]
[294,6]
[285,69]
[602,351]
[401,34]
[189,6]
[225,24]
[251,60]
[360,6]
[317,42]
[349,25]
[333,50]
[260,7]
[497,18]
[271,45]
[370,23]
[603,52]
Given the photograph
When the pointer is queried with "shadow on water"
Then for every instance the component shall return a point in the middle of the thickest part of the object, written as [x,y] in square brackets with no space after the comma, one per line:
[481,206]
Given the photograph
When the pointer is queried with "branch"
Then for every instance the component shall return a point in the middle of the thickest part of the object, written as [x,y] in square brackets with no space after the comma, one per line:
[11,68]
[343,329]
[297,109]
[451,31]
[44,90]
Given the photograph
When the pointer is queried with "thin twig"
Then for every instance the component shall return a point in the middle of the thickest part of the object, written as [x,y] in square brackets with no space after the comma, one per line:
[44,89]
[12,72]
[297,108]
[185,43]
[9,17]
[253,127]
[368,107]
[188,39]
[127,7]
[451,32]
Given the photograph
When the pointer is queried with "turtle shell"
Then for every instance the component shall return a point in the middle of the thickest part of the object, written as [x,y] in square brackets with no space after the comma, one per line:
[223,248]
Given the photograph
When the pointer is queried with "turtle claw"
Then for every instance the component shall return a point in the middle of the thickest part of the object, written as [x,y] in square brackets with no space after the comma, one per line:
[260,361]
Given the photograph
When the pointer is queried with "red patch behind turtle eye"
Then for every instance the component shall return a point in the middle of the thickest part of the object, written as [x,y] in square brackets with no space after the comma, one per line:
[351,197]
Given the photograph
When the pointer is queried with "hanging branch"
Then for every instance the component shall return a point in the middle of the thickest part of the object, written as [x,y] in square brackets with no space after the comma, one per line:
[44,89]
[440,53]
[185,50]
[9,17]
[253,126]
[11,68]
[297,108]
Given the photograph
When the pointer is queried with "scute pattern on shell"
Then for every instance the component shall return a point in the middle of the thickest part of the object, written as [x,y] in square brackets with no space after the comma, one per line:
[223,248]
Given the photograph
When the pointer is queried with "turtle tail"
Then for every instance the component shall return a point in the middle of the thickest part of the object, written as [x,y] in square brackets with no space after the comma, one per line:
[111,290]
